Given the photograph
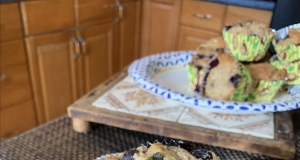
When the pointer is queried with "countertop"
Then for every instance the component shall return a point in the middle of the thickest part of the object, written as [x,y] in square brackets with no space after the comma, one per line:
[259,4]
[57,140]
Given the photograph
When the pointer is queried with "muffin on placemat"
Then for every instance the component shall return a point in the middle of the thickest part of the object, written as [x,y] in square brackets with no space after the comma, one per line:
[227,79]
[266,81]
[248,41]
[166,150]
[287,43]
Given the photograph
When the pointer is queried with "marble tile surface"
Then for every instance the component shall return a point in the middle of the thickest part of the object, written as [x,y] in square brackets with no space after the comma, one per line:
[127,97]
[260,125]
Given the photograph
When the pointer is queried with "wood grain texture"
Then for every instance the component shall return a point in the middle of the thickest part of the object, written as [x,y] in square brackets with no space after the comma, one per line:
[16,88]
[190,38]
[81,126]
[92,12]
[165,1]
[217,11]
[128,33]
[10,22]
[12,53]
[97,59]
[51,58]
[159,26]
[17,119]
[235,14]
[46,16]
[281,147]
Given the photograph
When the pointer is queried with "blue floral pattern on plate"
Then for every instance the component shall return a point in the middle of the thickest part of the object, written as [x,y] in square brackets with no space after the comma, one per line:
[141,71]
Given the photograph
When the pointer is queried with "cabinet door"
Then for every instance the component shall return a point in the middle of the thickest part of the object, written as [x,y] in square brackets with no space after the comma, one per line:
[203,15]
[190,38]
[97,53]
[14,80]
[94,11]
[128,33]
[47,16]
[235,14]
[53,73]
[159,26]
[17,119]
[10,22]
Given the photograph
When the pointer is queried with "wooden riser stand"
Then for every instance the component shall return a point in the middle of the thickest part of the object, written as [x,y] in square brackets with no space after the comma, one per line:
[82,112]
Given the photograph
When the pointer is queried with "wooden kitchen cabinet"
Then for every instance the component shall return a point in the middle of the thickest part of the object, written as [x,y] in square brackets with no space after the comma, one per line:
[47,16]
[235,14]
[128,33]
[160,23]
[15,86]
[190,38]
[89,12]
[96,49]
[17,119]
[66,65]
[10,22]
[52,62]
[203,15]
[17,112]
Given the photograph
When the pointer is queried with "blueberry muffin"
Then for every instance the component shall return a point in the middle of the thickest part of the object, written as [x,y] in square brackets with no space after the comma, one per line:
[288,48]
[170,151]
[267,81]
[227,79]
[247,41]
[196,69]
[292,68]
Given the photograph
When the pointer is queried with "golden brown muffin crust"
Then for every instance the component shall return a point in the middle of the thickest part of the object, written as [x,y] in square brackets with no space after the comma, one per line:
[169,153]
[265,71]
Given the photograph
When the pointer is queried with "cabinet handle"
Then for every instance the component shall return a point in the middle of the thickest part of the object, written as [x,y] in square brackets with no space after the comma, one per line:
[120,12]
[77,48]
[4,77]
[202,16]
[83,45]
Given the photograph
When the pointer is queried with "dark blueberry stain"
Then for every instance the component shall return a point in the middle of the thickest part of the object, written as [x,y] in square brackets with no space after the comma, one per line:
[235,79]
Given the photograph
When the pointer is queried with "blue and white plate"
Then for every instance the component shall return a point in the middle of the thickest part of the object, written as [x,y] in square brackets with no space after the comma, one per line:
[165,75]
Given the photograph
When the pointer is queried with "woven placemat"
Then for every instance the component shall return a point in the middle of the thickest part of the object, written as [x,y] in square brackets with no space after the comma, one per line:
[57,140]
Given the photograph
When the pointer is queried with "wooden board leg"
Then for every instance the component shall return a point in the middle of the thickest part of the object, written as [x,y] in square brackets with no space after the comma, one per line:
[81,126]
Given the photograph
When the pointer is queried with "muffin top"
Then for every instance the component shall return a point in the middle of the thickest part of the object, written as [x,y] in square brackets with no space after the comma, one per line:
[250,28]
[162,152]
[206,52]
[265,71]
[167,150]
[211,46]
[292,39]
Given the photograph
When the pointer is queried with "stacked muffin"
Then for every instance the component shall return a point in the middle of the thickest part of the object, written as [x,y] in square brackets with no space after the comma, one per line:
[237,66]
[288,55]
